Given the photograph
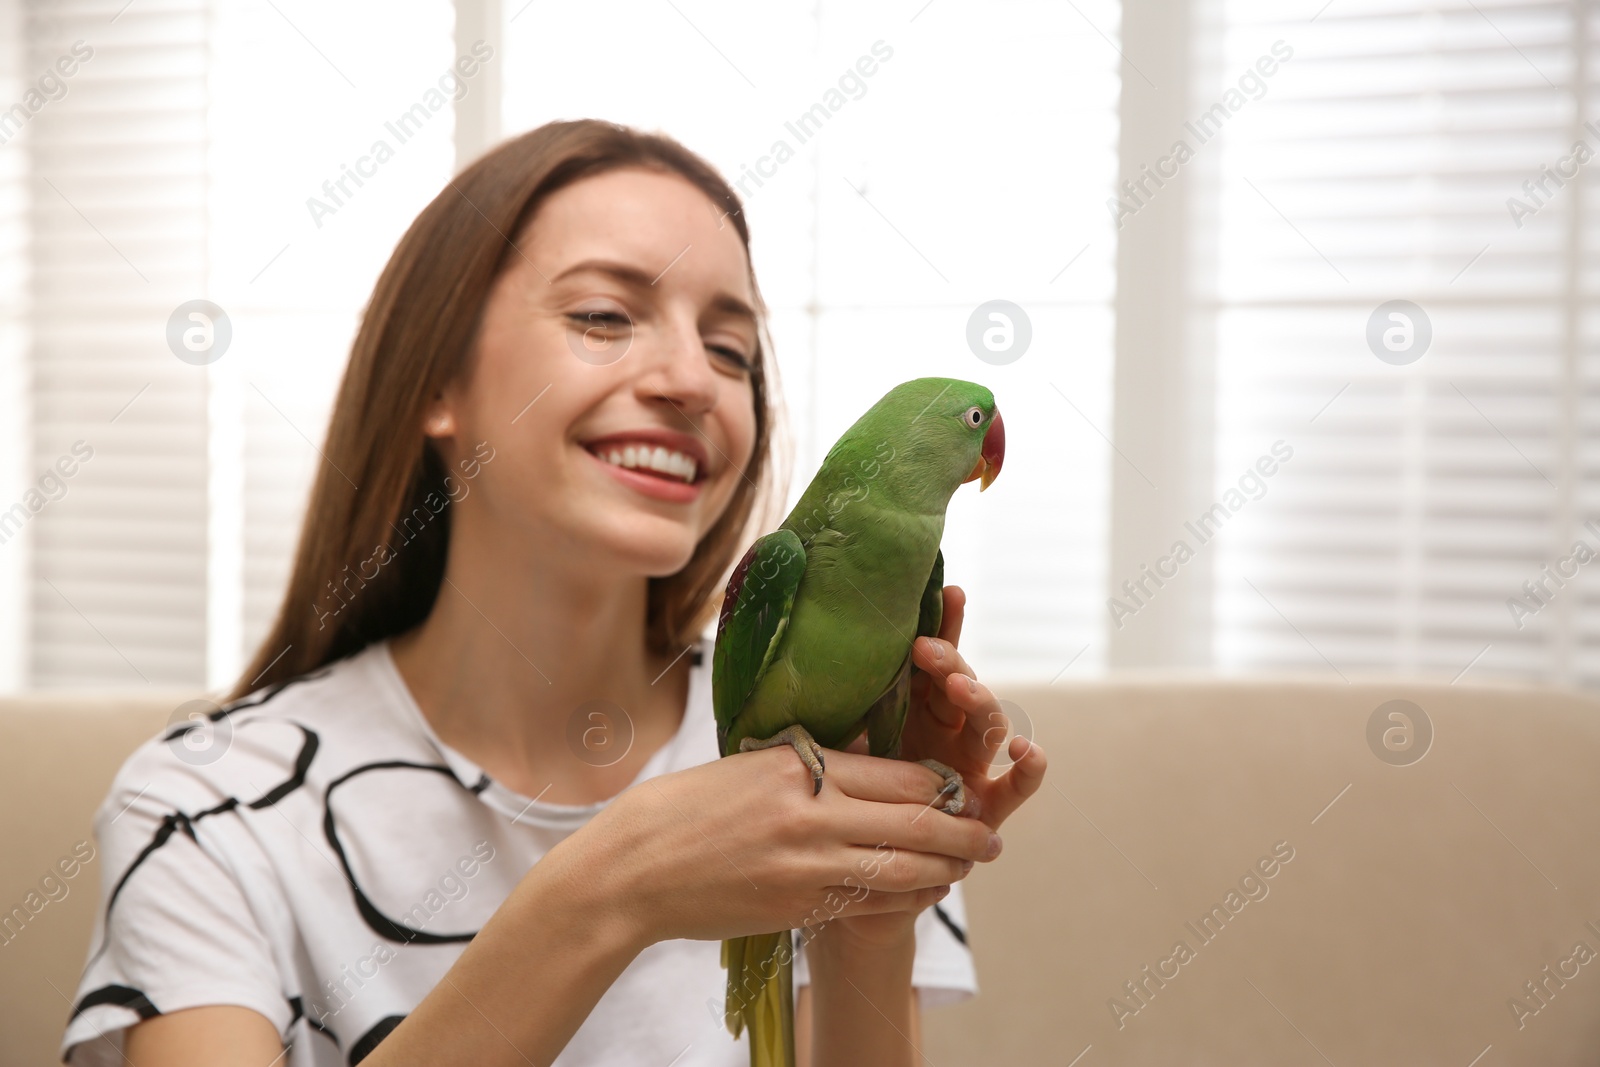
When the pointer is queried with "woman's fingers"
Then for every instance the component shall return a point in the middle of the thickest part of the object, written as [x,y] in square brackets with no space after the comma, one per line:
[883,781]
[885,800]
[960,701]
[984,723]
[1022,779]
[939,657]
[951,627]
[942,658]
[899,870]
[922,828]
[876,902]
[955,613]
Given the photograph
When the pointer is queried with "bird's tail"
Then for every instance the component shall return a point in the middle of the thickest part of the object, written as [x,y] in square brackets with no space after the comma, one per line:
[761,995]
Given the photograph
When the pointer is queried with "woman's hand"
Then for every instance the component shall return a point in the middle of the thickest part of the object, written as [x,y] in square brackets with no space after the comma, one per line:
[962,728]
[741,846]
[869,955]
[956,720]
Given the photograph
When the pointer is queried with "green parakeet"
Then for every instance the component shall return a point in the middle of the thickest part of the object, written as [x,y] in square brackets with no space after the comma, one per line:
[814,638]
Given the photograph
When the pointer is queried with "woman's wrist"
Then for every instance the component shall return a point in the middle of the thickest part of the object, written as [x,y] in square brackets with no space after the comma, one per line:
[588,877]
[835,944]
[861,998]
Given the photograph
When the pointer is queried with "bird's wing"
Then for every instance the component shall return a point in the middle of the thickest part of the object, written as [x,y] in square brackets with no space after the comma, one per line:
[755,613]
[931,617]
[887,717]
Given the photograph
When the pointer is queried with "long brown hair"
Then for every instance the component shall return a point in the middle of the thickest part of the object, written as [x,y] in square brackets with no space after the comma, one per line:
[415,337]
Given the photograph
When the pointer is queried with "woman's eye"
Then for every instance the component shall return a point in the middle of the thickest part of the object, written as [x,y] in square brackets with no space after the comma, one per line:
[599,318]
[733,354]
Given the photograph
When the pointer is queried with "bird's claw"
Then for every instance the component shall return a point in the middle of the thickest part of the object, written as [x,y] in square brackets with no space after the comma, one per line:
[804,745]
[953,793]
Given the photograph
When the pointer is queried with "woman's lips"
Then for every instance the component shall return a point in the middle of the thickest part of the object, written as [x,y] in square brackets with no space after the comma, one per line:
[661,488]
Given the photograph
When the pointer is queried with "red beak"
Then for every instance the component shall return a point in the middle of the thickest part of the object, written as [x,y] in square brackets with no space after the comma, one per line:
[994,454]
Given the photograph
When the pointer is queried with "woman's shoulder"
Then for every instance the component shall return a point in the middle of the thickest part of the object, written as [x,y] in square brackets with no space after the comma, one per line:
[268,742]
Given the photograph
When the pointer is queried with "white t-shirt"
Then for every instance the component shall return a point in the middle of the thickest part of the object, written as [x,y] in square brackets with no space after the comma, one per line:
[323,858]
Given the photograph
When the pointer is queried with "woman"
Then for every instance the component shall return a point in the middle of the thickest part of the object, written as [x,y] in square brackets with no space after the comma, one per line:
[465,805]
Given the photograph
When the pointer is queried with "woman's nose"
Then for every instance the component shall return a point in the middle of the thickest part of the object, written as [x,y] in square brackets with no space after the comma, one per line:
[679,369]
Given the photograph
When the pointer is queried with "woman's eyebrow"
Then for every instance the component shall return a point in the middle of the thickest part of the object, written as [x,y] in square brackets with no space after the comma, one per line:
[732,305]
[631,275]
[621,271]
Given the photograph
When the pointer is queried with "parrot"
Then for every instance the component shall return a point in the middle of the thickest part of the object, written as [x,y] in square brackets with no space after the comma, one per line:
[814,636]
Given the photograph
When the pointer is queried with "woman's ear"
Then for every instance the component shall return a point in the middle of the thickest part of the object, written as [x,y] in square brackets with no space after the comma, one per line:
[439,419]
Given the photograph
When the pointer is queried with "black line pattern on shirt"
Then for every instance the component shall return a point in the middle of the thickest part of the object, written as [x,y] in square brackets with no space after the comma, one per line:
[121,995]
[175,821]
[959,934]
[369,1040]
[178,820]
[256,700]
[298,1007]
[380,923]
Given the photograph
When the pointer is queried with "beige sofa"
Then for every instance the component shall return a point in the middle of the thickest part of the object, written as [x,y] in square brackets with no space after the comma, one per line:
[1385,909]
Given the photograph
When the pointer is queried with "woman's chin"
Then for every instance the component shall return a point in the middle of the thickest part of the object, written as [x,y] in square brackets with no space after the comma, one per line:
[654,549]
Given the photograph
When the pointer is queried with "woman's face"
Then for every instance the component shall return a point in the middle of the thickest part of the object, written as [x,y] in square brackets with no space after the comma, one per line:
[621,329]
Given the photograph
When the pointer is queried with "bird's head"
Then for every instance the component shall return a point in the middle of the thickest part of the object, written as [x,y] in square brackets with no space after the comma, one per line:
[920,443]
[982,421]
[959,419]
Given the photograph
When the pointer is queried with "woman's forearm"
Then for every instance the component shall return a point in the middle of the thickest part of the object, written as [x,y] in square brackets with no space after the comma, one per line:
[861,1004]
[528,980]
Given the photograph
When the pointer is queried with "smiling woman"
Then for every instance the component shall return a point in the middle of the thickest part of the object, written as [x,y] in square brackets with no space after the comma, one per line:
[463,304]
[530,675]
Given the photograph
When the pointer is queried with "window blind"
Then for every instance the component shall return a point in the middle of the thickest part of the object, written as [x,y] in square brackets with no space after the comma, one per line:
[15,420]
[116,149]
[1386,161]
[178,162]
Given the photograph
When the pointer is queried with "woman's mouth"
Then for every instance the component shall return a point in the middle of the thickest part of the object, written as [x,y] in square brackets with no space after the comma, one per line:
[649,459]
[654,470]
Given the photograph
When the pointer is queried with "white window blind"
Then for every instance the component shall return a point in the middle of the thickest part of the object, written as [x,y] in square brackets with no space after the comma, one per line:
[177,164]
[15,421]
[118,214]
[1377,166]
[970,165]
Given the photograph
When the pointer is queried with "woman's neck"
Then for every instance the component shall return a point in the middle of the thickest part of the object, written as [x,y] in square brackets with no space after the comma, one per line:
[506,660]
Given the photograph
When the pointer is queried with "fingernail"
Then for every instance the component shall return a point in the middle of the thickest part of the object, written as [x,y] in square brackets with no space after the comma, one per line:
[938,650]
[994,845]
[972,686]
[942,892]
[966,866]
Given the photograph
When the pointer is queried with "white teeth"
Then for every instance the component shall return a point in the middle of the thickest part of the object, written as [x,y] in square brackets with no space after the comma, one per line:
[659,459]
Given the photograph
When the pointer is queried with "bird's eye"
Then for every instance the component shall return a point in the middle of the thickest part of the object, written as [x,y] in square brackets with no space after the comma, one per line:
[974,416]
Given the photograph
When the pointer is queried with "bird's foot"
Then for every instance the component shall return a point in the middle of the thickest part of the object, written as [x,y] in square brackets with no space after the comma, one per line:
[805,747]
[954,792]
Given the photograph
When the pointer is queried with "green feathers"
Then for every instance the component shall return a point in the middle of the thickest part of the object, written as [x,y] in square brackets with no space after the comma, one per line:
[753,622]
[762,995]
[849,566]
[819,617]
